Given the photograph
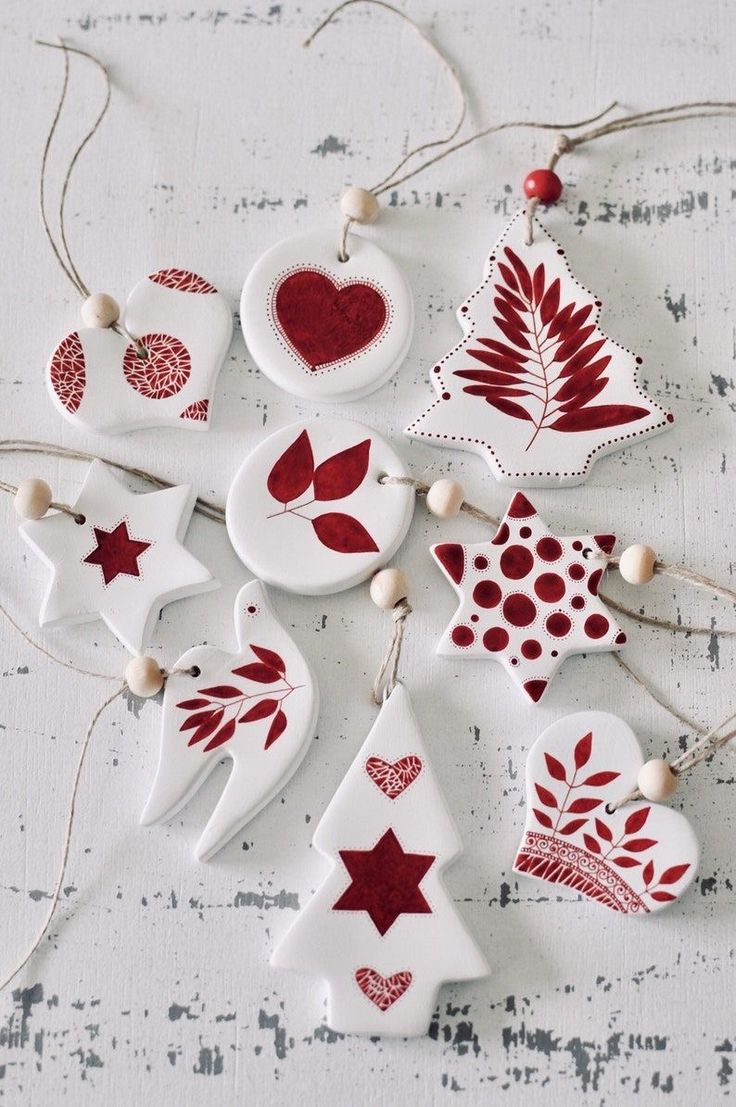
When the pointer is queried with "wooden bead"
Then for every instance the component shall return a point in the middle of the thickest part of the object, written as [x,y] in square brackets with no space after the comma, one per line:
[656,781]
[33,498]
[388,587]
[543,185]
[100,310]
[445,498]
[144,677]
[636,564]
[360,205]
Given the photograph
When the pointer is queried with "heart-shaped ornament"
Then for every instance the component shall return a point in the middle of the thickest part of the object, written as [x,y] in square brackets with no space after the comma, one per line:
[100,381]
[325,329]
[258,707]
[635,860]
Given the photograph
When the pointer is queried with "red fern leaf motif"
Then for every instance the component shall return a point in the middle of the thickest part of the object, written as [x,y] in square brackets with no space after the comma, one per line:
[292,473]
[672,875]
[343,533]
[551,351]
[647,873]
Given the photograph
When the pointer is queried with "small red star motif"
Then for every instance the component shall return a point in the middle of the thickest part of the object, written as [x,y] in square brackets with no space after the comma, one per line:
[116,552]
[385,882]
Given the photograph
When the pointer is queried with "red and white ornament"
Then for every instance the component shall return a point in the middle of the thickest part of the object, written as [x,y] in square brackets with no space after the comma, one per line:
[258,707]
[308,510]
[322,328]
[528,598]
[634,860]
[120,560]
[535,386]
[382,929]
[102,382]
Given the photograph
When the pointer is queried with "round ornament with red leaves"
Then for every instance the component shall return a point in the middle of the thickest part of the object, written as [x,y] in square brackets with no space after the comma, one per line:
[310,509]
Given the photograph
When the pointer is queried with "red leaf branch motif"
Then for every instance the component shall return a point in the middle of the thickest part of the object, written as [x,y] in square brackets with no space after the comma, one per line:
[552,361]
[569,805]
[224,702]
[335,478]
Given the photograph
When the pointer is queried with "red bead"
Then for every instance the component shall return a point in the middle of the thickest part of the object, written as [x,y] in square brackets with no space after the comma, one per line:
[544,185]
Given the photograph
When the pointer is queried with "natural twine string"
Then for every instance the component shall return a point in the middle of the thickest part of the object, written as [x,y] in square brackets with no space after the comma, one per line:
[393,179]
[384,684]
[433,143]
[677,113]
[709,744]
[67,843]
[123,687]
[61,250]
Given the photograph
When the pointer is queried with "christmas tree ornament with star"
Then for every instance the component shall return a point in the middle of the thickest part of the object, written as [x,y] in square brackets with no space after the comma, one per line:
[382,929]
[117,556]
[528,598]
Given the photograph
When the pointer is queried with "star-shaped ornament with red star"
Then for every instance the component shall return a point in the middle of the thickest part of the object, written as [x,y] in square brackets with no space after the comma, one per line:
[385,881]
[122,561]
[528,598]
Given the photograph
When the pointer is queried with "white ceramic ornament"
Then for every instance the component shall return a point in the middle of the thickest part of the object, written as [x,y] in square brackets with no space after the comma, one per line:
[528,598]
[382,929]
[123,563]
[535,386]
[326,329]
[636,860]
[99,381]
[258,707]
[307,510]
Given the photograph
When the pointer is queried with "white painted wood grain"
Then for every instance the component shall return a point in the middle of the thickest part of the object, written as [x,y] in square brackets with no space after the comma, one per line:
[223,136]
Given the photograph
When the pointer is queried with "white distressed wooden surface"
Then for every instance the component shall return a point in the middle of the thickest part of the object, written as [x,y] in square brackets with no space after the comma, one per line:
[223,136]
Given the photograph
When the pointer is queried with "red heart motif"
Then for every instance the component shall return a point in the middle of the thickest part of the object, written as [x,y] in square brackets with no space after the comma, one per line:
[382,990]
[393,777]
[325,321]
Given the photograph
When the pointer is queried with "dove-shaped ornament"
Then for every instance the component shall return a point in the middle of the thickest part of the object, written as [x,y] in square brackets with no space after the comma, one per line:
[633,860]
[258,707]
[157,369]
[535,386]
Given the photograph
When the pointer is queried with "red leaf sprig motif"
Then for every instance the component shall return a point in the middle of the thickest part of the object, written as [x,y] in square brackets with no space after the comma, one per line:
[335,478]
[551,367]
[615,850]
[214,714]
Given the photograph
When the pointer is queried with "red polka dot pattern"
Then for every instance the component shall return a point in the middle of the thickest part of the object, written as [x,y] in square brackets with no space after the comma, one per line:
[516,562]
[463,636]
[487,593]
[518,600]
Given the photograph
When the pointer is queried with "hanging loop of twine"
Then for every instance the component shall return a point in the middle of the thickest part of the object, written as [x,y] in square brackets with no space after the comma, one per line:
[432,144]
[388,674]
[677,113]
[61,250]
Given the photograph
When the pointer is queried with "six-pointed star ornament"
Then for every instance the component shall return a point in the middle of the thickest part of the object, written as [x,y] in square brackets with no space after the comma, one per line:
[385,881]
[121,561]
[528,598]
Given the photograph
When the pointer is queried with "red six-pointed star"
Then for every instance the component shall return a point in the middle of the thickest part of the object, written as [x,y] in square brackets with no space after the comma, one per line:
[116,552]
[385,882]
[528,598]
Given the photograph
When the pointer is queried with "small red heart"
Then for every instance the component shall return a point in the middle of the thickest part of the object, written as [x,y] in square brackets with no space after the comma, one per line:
[382,990]
[393,777]
[325,321]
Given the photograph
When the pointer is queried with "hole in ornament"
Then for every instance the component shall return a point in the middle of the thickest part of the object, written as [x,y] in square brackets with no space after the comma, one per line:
[610,810]
[342,258]
[587,552]
[80,520]
[383,478]
[195,671]
[141,353]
